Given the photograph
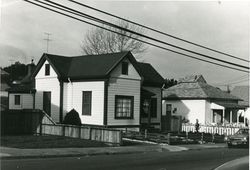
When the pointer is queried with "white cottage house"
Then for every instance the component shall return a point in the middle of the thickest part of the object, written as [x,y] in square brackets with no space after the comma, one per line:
[192,98]
[21,96]
[105,90]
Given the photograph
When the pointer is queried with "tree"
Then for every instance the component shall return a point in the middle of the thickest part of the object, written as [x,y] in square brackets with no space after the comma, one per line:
[100,41]
[17,71]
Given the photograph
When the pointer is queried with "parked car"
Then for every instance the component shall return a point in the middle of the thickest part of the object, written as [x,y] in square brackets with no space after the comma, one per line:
[240,138]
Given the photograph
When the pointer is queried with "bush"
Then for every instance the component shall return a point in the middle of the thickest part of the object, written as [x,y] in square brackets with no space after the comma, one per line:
[72,118]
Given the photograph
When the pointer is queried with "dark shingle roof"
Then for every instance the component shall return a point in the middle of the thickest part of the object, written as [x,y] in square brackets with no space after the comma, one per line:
[89,66]
[150,76]
[196,90]
[243,93]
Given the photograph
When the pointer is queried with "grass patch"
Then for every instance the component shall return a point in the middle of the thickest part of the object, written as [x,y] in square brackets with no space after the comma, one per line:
[33,141]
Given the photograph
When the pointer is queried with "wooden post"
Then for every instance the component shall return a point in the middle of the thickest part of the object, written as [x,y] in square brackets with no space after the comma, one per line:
[80,131]
[202,137]
[169,138]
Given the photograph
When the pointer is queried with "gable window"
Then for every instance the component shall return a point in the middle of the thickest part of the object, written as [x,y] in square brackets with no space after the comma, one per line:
[124,107]
[153,108]
[86,102]
[17,100]
[124,68]
[47,69]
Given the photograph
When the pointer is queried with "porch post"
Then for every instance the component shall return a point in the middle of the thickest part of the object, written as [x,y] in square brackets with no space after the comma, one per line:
[237,118]
[231,117]
[223,116]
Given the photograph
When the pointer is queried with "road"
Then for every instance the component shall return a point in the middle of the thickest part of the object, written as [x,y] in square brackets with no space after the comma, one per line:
[205,159]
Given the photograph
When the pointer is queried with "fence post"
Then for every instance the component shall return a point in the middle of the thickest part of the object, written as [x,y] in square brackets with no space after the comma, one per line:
[169,139]
[80,128]
[202,136]
[90,133]
[146,134]
[63,130]
[186,134]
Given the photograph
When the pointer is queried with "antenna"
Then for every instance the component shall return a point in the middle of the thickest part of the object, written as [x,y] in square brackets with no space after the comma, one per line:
[47,40]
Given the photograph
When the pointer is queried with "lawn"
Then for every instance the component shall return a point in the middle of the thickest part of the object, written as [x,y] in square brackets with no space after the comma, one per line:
[30,142]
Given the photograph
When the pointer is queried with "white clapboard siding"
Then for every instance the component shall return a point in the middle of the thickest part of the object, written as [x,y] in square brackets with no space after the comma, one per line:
[73,99]
[26,101]
[127,85]
[48,83]
[157,91]
[190,109]
[124,87]
[132,73]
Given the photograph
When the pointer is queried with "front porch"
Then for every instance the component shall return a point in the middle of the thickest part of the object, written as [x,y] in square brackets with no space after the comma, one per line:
[228,114]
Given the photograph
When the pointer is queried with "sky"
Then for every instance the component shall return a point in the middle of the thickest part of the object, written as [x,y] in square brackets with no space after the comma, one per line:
[221,25]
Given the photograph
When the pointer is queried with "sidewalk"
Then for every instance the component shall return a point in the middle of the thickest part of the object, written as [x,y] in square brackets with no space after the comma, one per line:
[14,153]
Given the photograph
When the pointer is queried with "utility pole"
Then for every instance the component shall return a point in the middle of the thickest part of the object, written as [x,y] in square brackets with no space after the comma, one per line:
[47,40]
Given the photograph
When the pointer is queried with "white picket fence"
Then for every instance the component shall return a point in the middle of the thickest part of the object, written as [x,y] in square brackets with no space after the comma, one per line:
[221,130]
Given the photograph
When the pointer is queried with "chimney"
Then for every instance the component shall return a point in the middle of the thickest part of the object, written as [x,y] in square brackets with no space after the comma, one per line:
[31,67]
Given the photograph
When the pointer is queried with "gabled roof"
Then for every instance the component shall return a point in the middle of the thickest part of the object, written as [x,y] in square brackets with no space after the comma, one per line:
[150,76]
[192,78]
[196,90]
[243,93]
[85,67]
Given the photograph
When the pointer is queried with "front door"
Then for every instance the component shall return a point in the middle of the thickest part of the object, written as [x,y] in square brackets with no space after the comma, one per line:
[166,119]
[47,102]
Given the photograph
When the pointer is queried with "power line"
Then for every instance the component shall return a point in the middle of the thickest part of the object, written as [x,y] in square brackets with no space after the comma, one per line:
[234,79]
[136,33]
[164,48]
[155,30]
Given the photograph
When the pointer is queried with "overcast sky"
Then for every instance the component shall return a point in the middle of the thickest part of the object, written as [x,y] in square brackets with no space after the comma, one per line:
[221,25]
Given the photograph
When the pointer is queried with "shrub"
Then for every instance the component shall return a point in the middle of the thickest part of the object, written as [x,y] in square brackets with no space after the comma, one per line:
[72,118]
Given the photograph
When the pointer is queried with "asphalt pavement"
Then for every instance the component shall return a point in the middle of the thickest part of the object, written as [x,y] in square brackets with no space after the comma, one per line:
[196,159]
[13,153]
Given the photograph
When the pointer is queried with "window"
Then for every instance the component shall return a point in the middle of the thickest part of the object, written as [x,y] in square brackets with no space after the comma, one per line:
[86,102]
[17,99]
[47,69]
[124,68]
[168,109]
[124,107]
[153,108]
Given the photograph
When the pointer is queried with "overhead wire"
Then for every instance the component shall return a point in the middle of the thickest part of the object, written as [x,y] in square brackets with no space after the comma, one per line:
[61,13]
[160,32]
[139,34]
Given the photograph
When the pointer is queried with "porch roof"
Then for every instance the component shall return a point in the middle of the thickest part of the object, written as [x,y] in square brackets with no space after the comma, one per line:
[145,93]
[230,105]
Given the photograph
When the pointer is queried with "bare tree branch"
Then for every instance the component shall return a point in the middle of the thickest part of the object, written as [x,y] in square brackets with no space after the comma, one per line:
[100,41]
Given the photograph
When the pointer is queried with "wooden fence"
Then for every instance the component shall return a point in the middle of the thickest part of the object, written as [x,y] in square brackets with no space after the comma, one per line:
[221,130]
[106,135]
[19,122]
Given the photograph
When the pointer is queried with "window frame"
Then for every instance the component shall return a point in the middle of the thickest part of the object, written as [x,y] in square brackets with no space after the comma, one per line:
[90,103]
[47,69]
[131,107]
[124,68]
[15,101]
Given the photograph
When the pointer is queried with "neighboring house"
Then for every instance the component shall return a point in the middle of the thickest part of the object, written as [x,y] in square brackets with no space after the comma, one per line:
[192,98]
[22,95]
[243,93]
[104,89]
[4,86]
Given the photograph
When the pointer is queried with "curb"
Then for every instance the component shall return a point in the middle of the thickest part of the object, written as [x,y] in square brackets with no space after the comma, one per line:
[155,149]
